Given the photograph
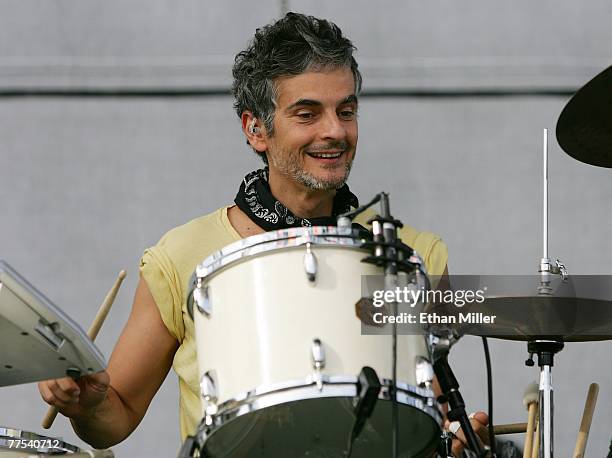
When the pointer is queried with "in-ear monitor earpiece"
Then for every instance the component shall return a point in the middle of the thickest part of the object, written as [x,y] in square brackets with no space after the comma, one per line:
[252,128]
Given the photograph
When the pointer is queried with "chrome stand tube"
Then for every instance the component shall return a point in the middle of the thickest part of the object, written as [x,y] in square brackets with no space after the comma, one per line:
[546,413]
[545,351]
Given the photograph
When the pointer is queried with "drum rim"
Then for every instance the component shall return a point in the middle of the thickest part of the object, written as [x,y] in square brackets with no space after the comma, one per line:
[316,386]
[273,240]
[257,245]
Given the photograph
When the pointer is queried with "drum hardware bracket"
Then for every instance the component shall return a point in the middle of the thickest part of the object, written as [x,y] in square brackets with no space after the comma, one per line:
[208,393]
[345,219]
[546,269]
[208,389]
[345,224]
[446,445]
[318,354]
[424,372]
[318,361]
[50,332]
[202,299]
[310,264]
[440,345]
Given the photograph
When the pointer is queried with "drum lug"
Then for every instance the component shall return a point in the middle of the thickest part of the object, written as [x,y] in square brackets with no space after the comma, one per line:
[310,264]
[318,355]
[208,389]
[318,361]
[424,372]
[202,299]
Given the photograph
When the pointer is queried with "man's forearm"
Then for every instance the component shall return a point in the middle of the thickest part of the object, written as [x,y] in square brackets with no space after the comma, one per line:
[106,424]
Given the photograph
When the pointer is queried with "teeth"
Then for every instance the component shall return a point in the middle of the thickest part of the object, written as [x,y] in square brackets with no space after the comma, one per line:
[326,155]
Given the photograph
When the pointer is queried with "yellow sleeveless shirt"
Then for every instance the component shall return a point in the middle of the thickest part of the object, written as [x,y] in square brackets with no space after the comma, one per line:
[167,268]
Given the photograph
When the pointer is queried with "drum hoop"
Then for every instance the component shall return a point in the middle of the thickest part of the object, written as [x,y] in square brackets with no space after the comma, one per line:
[313,387]
[276,240]
[16,434]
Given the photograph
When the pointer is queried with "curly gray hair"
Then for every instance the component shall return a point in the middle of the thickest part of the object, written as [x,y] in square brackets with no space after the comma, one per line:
[290,46]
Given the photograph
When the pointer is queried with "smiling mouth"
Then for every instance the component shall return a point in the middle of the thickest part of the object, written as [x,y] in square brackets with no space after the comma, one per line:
[326,155]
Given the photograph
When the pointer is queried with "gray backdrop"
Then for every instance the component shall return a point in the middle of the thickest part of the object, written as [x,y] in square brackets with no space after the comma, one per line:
[86,183]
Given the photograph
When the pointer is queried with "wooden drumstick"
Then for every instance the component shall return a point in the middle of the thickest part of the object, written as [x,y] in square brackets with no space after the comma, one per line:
[530,401]
[536,442]
[92,333]
[587,418]
[510,428]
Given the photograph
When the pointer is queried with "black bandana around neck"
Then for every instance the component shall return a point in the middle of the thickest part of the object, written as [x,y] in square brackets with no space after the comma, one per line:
[256,200]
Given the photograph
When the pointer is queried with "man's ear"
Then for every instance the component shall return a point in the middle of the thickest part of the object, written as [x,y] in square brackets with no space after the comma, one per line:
[255,132]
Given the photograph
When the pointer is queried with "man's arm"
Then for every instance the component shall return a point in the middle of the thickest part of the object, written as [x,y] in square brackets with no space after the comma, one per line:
[106,407]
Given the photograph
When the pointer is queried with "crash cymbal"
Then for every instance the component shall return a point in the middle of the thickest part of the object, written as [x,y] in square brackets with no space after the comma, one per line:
[566,319]
[584,128]
[578,309]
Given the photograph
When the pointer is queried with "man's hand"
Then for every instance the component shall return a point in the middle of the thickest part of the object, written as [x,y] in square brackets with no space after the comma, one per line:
[103,415]
[479,421]
[76,398]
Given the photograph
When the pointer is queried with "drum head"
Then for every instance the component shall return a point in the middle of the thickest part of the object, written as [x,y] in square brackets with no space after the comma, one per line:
[321,428]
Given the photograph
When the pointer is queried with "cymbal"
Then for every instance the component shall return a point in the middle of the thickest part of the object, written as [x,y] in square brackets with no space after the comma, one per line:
[584,128]
[533,317]
[578,309]
[529,317]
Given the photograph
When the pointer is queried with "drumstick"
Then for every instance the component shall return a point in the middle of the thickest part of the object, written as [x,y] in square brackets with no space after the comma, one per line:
[536,442]
[92,333]
[530,401]
[510,428]
[587,417]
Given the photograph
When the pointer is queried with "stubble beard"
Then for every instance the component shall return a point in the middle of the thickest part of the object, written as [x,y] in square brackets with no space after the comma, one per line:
[291,166]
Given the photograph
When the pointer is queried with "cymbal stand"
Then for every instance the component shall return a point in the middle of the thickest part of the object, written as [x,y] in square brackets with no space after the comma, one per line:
[546,266]
[546,349]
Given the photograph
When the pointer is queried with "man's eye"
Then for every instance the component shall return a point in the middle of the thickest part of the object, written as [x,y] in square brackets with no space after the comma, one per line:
[305,115]
[347,114]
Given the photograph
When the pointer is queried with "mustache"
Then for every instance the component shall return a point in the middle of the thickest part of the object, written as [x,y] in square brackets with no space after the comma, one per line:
[337,145]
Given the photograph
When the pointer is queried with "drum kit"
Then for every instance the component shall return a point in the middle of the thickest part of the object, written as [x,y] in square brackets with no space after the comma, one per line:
[285,366]
[310,383]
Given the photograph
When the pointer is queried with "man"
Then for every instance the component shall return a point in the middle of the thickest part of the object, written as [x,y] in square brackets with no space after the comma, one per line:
[296,91]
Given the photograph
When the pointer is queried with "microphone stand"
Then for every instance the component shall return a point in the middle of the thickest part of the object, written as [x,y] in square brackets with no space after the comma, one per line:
[450,390]
[394,256]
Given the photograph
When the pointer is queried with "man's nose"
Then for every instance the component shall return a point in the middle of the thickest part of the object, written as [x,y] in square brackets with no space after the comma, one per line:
[333,127]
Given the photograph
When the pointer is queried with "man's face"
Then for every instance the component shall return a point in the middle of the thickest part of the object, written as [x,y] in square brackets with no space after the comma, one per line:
[315,129]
